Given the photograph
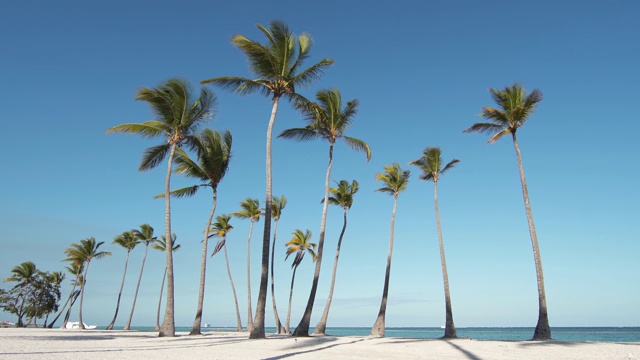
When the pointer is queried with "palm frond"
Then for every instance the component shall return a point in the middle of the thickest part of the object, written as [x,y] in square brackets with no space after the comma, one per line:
[394,178]
[485,128]
[147,129]
[497,136]
[153,156]
[219,246]
[300,134]
[183,192]
[358,145]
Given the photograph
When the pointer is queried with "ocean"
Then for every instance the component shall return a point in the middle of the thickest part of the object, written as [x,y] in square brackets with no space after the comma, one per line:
[577,334]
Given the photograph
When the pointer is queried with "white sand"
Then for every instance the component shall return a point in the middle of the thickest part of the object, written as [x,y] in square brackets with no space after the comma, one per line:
[120,345]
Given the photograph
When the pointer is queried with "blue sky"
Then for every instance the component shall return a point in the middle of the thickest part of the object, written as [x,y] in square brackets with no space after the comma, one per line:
[421,71]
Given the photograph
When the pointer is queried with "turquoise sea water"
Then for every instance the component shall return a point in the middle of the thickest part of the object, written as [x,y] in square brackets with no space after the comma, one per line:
[595,334]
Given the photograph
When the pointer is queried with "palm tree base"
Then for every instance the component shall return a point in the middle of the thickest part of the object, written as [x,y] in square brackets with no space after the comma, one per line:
[543,330]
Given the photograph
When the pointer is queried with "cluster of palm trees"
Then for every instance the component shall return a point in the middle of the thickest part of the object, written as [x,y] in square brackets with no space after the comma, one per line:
[278,73]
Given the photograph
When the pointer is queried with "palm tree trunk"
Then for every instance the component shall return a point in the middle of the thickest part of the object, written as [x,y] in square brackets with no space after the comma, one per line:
[321,327]
[449,327]
[233,289]
[197,322]
[543,330]
[127,326]
[61,311]
[379,326]
[257,331]
[249,314]
[293,279]
[73,289]
[303,327]
[273,295]
[160,301]
[84,282]
[168,327]
[124,274]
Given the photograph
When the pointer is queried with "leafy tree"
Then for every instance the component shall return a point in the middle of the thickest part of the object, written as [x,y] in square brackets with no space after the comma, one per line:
[250,210]
[341,196]
[516,106]
[327,119]
[277,68]
[161,244]
[395,180]
[300,246]
[24,275]
[431,165]
[145,236]
[128,241]
[277,205]
[220,229]
[178,116]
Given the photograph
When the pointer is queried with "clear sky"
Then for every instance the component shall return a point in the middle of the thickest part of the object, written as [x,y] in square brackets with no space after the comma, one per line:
[421,71]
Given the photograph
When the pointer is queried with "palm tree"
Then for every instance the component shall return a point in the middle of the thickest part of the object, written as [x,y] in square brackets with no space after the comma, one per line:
[178,116]
[73,269]
[341,196]
[24,275]
[328,120]
[220,229]
[128,241]
[161,244]
[277,66]
[431,165]
[55,278]
[250,210]
[145,236]
[277,205]
[299,245]
[395,180]
[214,154]
[76,268]
[516,108]
[84,252]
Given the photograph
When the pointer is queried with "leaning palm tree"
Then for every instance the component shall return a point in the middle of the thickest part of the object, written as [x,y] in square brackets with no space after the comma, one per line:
[277,205]
[220,229]
[341,196]
[516,106]
[250,210]
[56,278]
[299,245]
[431,165]
[76,268]
[277,66]
[85,251]
[128,241]
[327,119]
[145,236]
[214,153]
[161,244]
[178,115]
[395,180]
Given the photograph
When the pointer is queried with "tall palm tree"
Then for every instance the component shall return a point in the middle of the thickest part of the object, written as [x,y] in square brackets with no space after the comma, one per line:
[250,210]
[395,180]
[145,236]
[85,251]
[128,241]
[516,106]
[327,119]
[24,275]
[161,244]
[178,115]
[431,165]
[220,229]
[277,67]
[341,196]
[277,205]
[76,268]
[214,154]
[299,245]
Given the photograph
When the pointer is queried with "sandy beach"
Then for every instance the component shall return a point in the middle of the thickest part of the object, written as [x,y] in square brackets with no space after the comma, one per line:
[121,345]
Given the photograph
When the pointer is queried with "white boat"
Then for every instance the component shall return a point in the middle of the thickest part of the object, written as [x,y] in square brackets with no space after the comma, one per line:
[206,325]
[76,325]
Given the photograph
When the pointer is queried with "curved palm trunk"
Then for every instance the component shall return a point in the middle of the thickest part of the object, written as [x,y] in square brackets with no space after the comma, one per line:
[543,330]
[84,283]
[249,314]
[197,322]
[73,289]
[76,295]
[379,327]
[293,279]
[321,327]
[61,310]
[124,274]
[303,327]
[233,289]
[449,327]
[127,326]
[279,328]
[168,327]
[257,331]
[160,300]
